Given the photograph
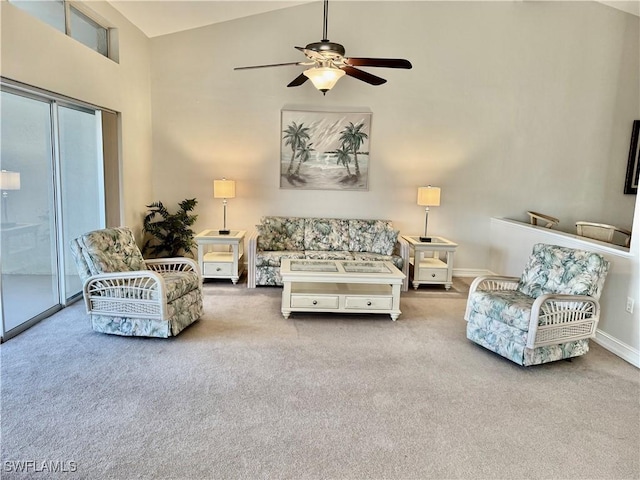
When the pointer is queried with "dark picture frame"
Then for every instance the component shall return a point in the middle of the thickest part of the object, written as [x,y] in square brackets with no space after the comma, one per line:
[631,180]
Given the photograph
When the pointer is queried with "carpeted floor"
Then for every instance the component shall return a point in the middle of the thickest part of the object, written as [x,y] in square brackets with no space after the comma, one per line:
[245,394]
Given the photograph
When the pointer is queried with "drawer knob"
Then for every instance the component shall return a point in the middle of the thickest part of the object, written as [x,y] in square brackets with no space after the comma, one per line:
[369,303]
[433,275]
[315,302]
[218,269]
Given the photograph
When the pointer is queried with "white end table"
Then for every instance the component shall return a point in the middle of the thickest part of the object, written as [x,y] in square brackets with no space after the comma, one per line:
[432,261]
[221,256]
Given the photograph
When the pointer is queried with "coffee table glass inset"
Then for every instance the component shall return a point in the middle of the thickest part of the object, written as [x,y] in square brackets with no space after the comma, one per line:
[341,286]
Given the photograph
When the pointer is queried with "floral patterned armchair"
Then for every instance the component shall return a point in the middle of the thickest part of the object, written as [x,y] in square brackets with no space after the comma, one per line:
[547,314]
[127,295]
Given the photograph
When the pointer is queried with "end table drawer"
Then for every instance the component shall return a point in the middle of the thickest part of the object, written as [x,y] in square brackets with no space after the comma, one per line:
[372,303]
[217,268]
[314,301]
[433,275]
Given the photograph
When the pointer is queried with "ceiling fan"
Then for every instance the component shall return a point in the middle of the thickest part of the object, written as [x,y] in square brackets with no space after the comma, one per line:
[328,63]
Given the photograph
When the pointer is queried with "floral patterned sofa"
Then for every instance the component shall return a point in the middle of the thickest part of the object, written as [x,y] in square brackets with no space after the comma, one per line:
[547,314]
[276,238]
[127,295]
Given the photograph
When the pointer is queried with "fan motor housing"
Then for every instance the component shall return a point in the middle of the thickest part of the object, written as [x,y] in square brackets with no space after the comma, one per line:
[326,46]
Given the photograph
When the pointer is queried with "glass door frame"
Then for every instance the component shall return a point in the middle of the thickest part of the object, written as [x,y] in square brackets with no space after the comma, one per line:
[55,101]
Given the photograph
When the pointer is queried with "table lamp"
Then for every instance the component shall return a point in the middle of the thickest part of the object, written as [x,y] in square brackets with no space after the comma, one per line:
[428,197]
[224,189]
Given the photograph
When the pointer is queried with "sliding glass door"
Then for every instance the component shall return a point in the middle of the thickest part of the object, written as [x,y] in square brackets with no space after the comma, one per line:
[27,232]
[81,183]
[52,191]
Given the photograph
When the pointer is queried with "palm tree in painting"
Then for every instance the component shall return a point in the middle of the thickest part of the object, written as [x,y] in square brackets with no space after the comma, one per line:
[352,138]
[343,157]
[304,153]
[295,135]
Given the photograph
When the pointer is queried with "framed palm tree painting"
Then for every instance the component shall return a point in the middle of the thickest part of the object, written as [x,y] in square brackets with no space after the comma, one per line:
[325,150]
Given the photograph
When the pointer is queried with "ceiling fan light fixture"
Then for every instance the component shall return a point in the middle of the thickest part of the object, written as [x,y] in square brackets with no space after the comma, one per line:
[324,78]
[329,63]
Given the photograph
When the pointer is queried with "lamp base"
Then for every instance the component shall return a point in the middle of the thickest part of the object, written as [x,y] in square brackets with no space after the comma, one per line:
[425,239]
[224,232]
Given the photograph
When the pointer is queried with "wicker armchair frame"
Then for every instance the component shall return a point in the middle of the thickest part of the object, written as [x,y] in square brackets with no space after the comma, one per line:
[139,294]
[555,318]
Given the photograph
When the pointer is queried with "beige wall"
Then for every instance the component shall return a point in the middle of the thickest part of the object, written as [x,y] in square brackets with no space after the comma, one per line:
[37,54]
[510,106]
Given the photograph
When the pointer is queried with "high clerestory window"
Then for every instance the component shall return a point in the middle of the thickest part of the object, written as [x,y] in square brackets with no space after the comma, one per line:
[66,17]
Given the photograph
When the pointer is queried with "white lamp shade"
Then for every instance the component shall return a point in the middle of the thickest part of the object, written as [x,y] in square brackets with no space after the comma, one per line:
[429,196]
[9,180]
[324,78]
[224,188]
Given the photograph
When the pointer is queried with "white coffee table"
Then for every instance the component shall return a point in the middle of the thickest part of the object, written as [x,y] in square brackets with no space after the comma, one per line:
[340,286]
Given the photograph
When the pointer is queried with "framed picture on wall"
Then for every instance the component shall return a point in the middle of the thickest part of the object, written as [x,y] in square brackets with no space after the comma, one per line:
[325,150]
[631,180]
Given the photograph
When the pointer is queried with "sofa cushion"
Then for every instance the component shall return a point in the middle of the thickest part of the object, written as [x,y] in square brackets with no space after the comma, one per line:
[385,241]
[280,233]
[363,233]
[561,270]
[397,260]
[328,255]
[326,234]
[268,276]
[273,259]
[111,250]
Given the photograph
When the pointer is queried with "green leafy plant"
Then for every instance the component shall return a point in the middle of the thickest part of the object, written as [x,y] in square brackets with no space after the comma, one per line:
[169,234]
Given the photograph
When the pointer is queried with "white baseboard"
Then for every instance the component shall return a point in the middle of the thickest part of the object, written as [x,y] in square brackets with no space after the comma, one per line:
[470,272]
[618,348]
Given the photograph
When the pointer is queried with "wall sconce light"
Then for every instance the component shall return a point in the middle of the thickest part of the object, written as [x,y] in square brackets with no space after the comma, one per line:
[224,189]
[428,197]
[324,78]
[8,181]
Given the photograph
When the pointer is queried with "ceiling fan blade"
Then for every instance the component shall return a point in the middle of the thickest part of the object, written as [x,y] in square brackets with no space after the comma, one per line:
[379,62]
[299,80]
[267,66]
[364,76]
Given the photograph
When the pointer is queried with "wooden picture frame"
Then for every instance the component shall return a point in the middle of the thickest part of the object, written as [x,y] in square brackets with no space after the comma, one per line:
[325,150]
[631,180]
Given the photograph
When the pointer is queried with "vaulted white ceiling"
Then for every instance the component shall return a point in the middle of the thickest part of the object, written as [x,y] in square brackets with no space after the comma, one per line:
[161,17]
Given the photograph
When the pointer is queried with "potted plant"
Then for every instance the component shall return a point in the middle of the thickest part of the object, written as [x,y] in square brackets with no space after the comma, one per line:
[169,234]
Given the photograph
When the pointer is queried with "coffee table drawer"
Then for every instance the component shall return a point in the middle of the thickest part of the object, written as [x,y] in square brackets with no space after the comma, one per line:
[368,303]
[314,301]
